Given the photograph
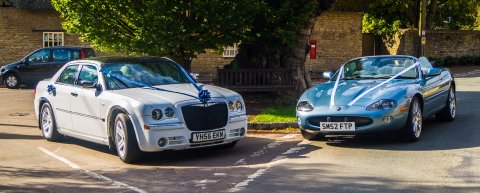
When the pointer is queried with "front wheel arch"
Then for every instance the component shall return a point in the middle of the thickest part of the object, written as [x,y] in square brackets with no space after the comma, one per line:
[112,114]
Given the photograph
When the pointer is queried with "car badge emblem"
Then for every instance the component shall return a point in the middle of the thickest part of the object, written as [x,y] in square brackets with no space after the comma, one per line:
[339,108]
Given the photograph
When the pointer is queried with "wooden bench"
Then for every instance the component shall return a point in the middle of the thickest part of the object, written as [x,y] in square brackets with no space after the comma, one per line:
[256,80]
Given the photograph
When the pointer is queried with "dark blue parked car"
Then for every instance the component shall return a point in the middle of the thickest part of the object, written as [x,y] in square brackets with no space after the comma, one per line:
[41,64]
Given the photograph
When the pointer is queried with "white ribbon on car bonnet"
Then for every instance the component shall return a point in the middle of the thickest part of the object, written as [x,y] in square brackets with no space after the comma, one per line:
[332,103]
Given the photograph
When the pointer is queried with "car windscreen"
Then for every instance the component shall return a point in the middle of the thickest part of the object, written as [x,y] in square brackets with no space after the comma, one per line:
[135,74]
[379,68]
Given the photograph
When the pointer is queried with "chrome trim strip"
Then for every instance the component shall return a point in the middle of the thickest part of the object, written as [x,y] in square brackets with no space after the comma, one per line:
[81,114]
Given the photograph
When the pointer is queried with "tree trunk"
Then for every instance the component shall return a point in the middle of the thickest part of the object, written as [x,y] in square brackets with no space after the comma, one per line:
[431,13]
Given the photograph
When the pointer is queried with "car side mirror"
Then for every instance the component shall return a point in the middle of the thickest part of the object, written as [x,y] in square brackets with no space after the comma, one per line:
[23,61]
[328,75]
[88,83]
[195,76]
[434,72]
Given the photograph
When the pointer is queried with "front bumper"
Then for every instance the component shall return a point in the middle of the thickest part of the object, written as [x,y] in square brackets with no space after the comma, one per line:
[376,126]
[178,136]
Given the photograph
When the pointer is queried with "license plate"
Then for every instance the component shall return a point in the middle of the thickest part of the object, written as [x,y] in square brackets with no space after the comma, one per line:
[337,126]
[208,136]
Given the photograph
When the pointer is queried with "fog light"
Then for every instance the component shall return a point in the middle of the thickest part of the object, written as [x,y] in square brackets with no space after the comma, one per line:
[162,142]
[242,131]
[387,119]
[299,121]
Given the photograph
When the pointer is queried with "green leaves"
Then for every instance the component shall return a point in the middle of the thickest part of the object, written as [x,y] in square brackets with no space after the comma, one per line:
[157,27]
[385,17]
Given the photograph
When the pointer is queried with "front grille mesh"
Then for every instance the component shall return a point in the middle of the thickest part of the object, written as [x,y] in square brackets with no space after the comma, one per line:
[359,121]
[200,117]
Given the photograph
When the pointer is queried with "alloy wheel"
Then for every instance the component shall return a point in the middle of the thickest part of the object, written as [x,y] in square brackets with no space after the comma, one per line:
[417,120]
[11,81]
[47,122]
[120,138]
[452,104]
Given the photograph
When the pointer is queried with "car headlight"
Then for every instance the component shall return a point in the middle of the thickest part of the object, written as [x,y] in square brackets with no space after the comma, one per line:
[235,106]
[384,104]
[169,112]
[239,105]
[304,106]
[231,106]
[157,114]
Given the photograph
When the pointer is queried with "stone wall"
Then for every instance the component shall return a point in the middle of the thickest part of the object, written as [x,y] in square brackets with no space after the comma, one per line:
[440,43]
[339,39]
[206,64]
[21,32]
[338,35]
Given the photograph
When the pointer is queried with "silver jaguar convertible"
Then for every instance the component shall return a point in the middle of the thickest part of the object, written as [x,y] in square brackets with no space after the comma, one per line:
[137,105]
[377,94]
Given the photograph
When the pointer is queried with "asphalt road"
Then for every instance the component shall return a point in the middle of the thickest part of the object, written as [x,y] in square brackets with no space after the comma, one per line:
[447,159]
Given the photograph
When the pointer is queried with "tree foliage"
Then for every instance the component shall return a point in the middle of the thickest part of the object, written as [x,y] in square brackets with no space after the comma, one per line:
[176,28]
[385,17]
[276,26]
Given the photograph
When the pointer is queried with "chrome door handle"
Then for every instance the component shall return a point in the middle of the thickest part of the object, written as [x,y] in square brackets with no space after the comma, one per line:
[74,94]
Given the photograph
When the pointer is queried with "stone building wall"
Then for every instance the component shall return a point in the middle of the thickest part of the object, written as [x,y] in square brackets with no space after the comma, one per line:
[206,64]
[338,35]
[339,39]
[21,32]
[440,43]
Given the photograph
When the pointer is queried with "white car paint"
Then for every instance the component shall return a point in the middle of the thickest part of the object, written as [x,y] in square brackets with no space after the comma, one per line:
[86,116]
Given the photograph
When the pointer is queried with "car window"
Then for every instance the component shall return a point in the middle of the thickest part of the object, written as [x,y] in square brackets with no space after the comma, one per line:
[150,73]
[65,55]
[88,73]
[425,65]
[39,57]
[372,68]
[88,52]
[68,75]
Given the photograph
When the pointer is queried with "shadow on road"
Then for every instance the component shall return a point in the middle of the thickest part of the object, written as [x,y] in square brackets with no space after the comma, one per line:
[308,177]
[463,132]
[209,156]
[18,136]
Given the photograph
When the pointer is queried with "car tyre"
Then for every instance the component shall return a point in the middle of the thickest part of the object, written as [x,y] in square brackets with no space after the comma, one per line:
[448,113]
[48,124]
[311,136]
[413,127]
[11,81]
[125,141]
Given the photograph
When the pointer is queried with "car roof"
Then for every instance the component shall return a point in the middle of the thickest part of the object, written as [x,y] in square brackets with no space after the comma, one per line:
[68,47]
[129,59]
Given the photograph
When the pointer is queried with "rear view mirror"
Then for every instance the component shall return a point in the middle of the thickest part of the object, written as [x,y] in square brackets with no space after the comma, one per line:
[195,76]
[328,75]
[434,72]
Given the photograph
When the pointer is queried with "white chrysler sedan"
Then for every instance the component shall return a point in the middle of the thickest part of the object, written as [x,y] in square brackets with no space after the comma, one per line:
[137,105]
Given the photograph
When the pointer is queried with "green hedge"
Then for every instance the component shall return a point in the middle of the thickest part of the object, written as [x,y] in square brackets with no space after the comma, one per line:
[450,61]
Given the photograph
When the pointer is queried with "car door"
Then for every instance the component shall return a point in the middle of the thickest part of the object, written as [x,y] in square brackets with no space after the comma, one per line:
[64,86]
[86,118]
[35,66]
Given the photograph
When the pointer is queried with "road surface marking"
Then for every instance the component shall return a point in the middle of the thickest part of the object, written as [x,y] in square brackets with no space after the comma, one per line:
[262,151]
[277,160]
[90,173]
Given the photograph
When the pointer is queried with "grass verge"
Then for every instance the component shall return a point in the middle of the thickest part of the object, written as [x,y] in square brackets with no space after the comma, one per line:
[276,114]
